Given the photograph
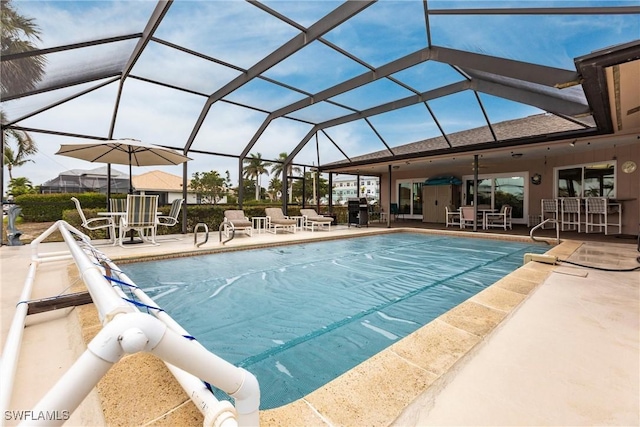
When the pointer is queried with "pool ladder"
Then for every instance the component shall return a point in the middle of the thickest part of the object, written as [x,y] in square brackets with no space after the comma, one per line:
[206,233]
[195,234]
[548,220]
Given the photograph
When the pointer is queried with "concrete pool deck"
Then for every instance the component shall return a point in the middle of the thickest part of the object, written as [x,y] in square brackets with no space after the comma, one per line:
[546,345]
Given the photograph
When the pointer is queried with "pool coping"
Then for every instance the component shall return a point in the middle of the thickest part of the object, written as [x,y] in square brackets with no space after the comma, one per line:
[411,370]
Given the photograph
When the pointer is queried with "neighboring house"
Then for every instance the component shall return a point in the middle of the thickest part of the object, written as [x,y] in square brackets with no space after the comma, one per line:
[167,186]
[83,181]
[345,187]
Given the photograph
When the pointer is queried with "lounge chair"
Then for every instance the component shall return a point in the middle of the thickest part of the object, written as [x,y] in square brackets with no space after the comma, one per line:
[97,223]
[276,219]
[313,220]
[234,219]
[141,217]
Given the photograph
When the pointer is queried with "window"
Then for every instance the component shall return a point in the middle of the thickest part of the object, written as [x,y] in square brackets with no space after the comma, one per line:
[590,180]
[496,190]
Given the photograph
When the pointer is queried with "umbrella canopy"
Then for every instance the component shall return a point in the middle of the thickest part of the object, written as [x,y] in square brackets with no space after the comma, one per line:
[123,152]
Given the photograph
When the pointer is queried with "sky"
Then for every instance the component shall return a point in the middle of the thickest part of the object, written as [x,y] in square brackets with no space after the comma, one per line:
[241,34]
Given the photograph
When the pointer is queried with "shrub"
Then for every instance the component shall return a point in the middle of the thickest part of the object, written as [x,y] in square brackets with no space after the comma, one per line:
[50,207]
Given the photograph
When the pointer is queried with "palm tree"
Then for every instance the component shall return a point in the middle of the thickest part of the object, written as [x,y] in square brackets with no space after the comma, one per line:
[12,159]
[274,187]
[20,185]
[256,166]
[17,34]
[277,170]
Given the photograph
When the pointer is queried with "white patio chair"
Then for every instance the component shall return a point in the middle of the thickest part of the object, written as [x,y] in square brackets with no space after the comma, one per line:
[117,205]
[467,216]
[500,219]
[549,209]
[141,217]
[570,212]
[452,217]
[171,219]
[597,212]
[97,223]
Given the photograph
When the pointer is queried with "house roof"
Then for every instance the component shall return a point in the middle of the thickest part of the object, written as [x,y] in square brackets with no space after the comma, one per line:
[511,130]
[157,181]
[101,171]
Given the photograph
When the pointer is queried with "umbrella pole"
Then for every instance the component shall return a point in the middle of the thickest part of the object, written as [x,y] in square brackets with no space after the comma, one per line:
[131,240]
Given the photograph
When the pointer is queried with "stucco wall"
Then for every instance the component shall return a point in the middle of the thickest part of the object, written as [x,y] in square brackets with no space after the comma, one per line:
[627,185]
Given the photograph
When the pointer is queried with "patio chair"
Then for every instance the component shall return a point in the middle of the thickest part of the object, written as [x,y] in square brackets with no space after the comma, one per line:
[500,219]
[549,209]
[118,205]
[452,217]
[141,217]
[276,219]
[395,211]
[171,219]
[313,220]
[235,219]
[97,223]
[570,212]
[598,210]
[467,216]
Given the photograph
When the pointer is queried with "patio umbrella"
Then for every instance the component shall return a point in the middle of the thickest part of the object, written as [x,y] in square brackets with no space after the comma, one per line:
[123,152]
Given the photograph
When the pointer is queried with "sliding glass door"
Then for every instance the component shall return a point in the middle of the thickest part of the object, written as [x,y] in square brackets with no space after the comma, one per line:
[496,190]
[410,197]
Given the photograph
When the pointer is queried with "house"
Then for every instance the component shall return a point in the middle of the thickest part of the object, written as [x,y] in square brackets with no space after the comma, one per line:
[83,181]
[166,186]
[346,187]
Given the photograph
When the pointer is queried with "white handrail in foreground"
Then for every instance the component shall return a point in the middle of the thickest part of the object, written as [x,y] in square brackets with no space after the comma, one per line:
[126,330]
[14,337]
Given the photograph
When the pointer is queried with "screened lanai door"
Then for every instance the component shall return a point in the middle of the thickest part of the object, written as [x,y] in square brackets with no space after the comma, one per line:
[500,189]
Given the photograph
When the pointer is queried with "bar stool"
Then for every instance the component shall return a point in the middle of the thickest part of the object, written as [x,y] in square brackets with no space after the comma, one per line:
[549,209]
[570,213]
[597,214]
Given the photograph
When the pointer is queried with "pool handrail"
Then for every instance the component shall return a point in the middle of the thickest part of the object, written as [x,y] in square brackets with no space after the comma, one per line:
[126,330]
[548,220]
[222,227]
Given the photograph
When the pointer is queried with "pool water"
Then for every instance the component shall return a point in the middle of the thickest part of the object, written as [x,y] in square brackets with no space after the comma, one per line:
[298,316]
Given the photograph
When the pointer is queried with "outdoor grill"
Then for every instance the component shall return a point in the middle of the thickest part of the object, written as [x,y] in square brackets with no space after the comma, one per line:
[358,212]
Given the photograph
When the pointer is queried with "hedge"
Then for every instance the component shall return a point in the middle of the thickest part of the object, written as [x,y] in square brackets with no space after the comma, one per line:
[49,207]
[52,207]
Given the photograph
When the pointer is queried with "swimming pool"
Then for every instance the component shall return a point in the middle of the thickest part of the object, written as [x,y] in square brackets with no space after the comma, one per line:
[298,316]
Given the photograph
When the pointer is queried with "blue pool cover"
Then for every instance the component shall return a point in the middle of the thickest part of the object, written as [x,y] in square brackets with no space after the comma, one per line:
[298,316]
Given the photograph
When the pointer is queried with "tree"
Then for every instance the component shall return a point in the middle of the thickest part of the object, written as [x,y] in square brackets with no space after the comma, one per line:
[20,185]
[255,166]
[277,171]
[209,186]
[17,34]
[322,187]
[12,160]
[275,185]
